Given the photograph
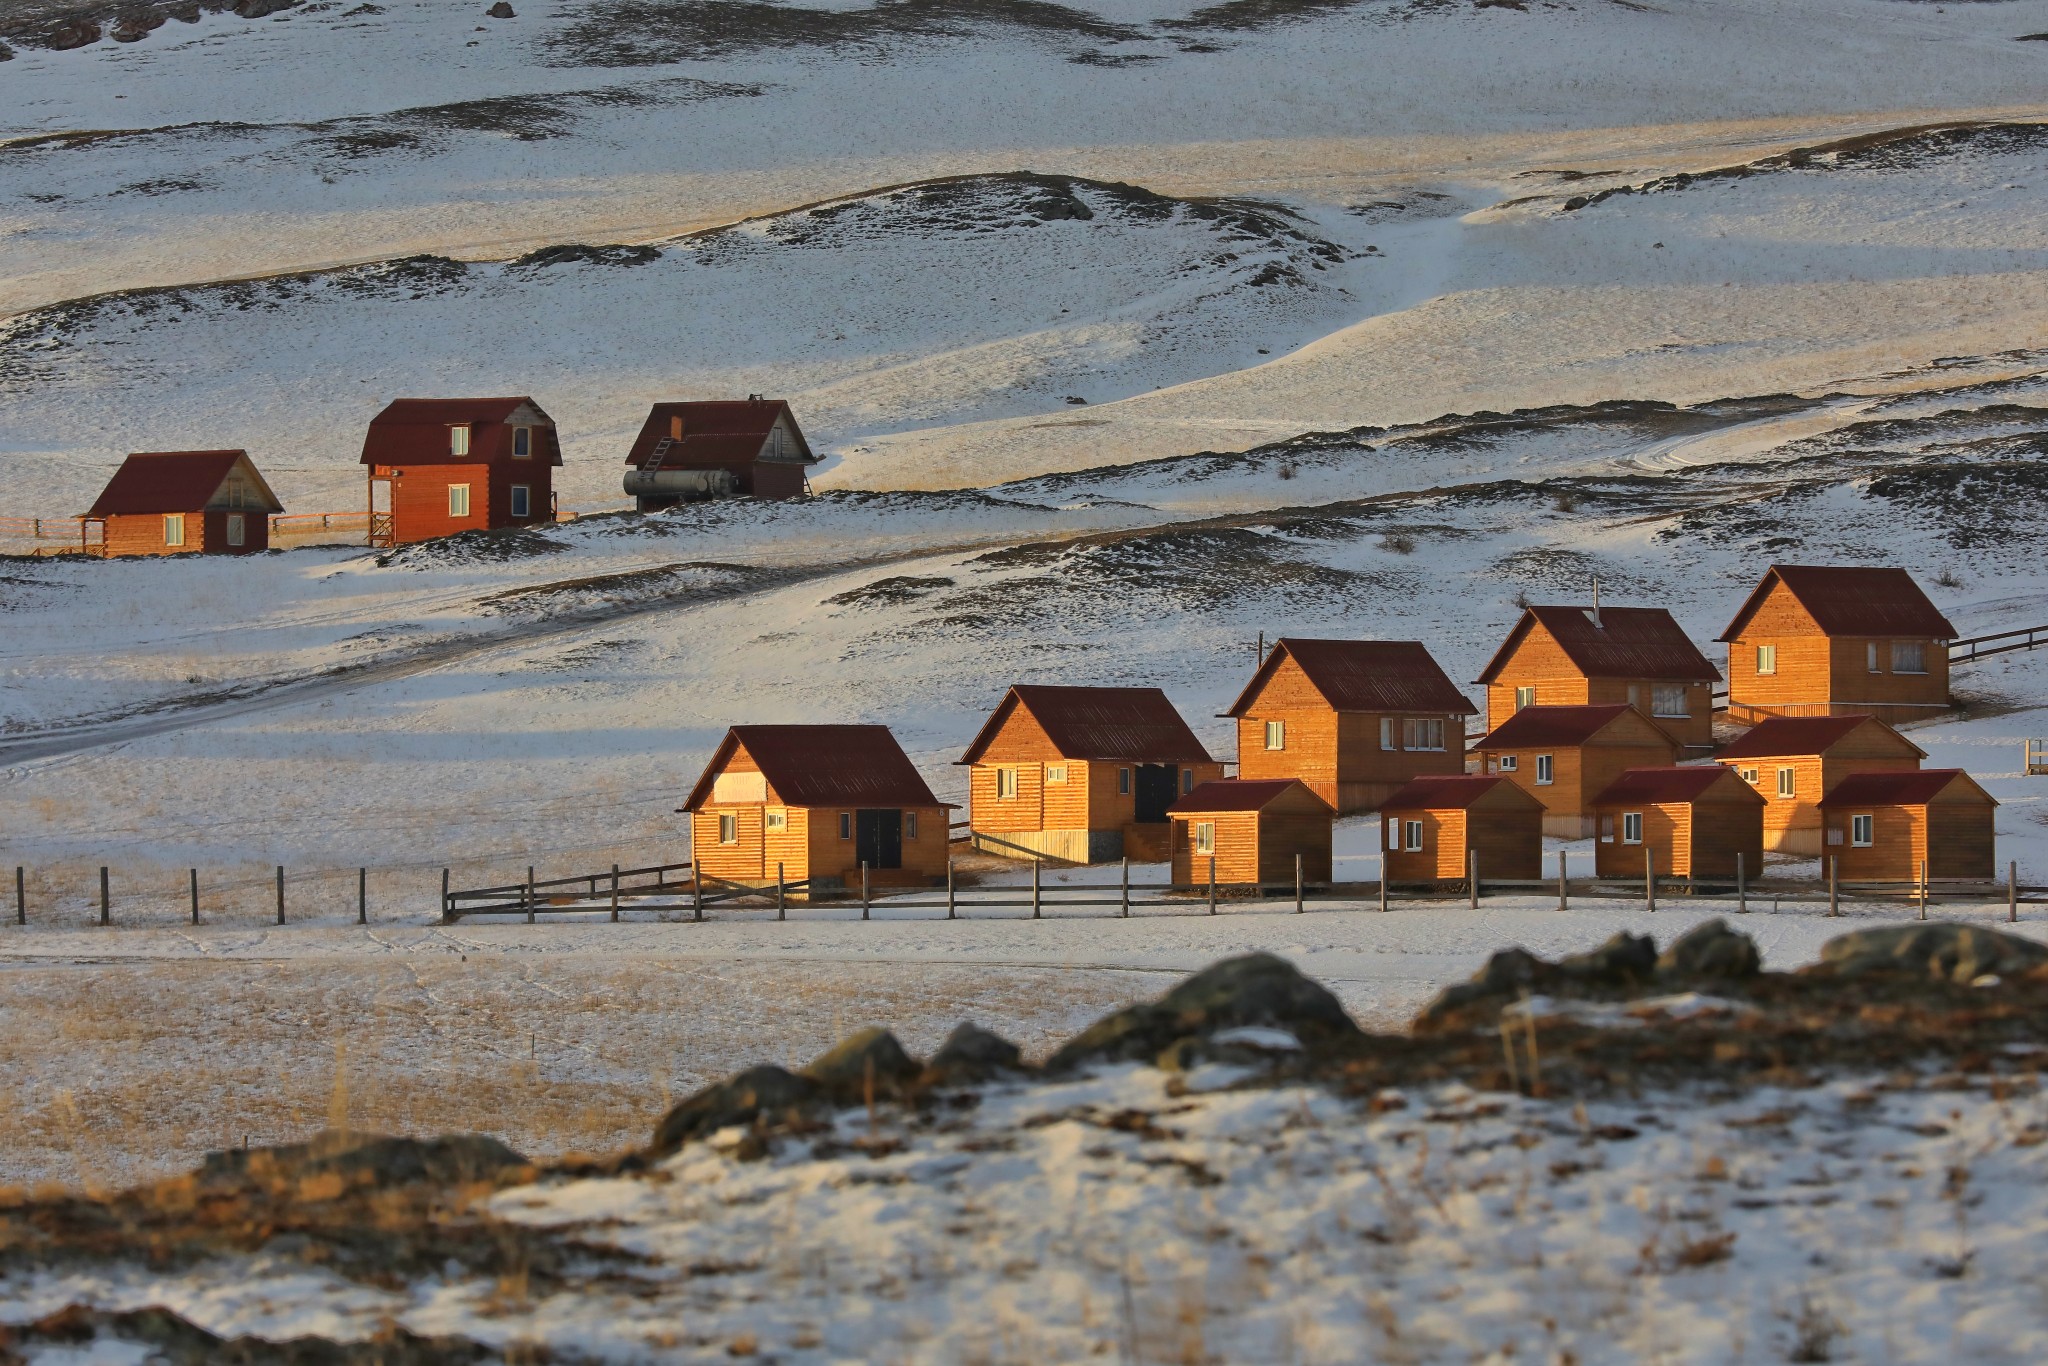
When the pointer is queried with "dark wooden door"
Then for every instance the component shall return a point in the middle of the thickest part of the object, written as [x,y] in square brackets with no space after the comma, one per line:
[878,838]
[1154,792]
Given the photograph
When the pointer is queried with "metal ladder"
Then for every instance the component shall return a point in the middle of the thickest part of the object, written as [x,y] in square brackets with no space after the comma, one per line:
[661,449]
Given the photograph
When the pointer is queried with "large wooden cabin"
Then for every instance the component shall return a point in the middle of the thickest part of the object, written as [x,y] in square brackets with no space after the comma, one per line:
[1692,820]
[687,451]
[1080,774]
[1795,761]
[1565,756]
[185,503]
[816,802]
[1354,720]
[1431,828]
[1580,656]
[1837,640]
[442,465]
[1254,831]
[1884,826]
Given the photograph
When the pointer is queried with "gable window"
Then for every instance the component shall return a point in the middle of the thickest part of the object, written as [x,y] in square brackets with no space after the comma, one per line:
[1509,763]
[1861,829]
[776,820]
[1205,837]
[1386,732]
[238,529]
[910,825]
[1870,658]
[1766,659]
[846,825]
[1788,782]
[1055,773]
[1631,827]
[237,495]
[1123,782]
[1006,784]
[728,829]
[522,500]
[1525,697]
[458,440]
[522,442]
[1748,775]
[174,528]
[1909,657]
[1414,833]
[1546,769]
[458,500]
[1668,699]
[1422,732]
[1276,735]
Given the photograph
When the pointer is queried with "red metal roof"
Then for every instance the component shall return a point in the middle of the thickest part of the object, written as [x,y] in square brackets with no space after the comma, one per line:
[1238,794]
[174,481]
[1852,600]
[716,433]
[1648,786]
[1364,675]
[413,431]
[1629,642]
[1135,725]
[1535,727]
[1786,735]
[1445,792]
[824,766]
[1907,787]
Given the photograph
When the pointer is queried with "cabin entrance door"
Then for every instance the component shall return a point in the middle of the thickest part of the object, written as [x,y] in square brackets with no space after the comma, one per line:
[382,529]
[1153,794]
[878,838]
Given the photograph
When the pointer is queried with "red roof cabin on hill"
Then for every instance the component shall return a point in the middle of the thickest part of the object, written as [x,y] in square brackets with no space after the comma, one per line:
[1892,827]
[1581,656]
[1831,640]
[1432,827]
[185,503]
[688,451]
[442,465]
[1564,756]
[1251,832]
[1686,821]
[1794,761]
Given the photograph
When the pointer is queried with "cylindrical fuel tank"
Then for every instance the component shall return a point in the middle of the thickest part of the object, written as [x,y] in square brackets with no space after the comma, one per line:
[680,483]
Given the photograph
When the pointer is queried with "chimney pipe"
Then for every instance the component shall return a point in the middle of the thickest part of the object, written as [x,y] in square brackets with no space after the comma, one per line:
[1595,613]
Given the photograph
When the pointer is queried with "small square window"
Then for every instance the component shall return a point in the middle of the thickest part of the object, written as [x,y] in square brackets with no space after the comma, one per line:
[1909,657]
[728,829]
[522,442]
[1546,769]
[776,820]
[1631,827]
[458,500]
[1276,735]
[1748,775]
[1205,837]
[910,825]
[1006,784]
[1055,773]
[1509,763]
[1861,829]
[1668,699]
[522,501]
[1414,832]
[458,440]
[846,825]
[1525,697]
[1766,659]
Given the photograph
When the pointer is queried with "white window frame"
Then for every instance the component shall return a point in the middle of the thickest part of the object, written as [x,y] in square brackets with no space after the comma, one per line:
[238,529]
[1766,660]
[1412,836]
[1422,733]
[1055,774]
[1546,770]
[1788,781]
[1748,775]
[728,828]
[522,437]
[1919,665]
[458,439]
[1276,735]
[1870,663]
[1123,782]
[1862,830]
[1510,763]
[1391,836]
[1669,695]
[1387,733]
[174,529]
[463,510]
[910,825]
[776,818]
[1205,837]
[522,500]
[1525,697]
[1631,827]
[846,825]
[1006,784]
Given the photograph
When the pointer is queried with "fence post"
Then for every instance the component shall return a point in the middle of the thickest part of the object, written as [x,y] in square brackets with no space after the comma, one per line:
[280,894]
[615,893]
[1472,878]
[1563,891]
[1383,880]
[1036,865]
[1297,884]
[863,889]
[1741,887]
[195,896]
[1834,884]
[444,895]
[20,895]
[1126,892]
[949,885]
[697,892]
[1923,889]
[1650,877]
[106,911]
[2012,891]
[362,896]
[1212,884]
[529,894]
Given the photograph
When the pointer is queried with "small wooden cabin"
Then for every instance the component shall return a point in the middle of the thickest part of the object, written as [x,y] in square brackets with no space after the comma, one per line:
[1084,775]
[1795,761]
[819,801]
[755,445]
[1580,656]
[1355,720]
[1254,830]
[1693,820]
[1835,640]
[1431,828]
[1881,826]
[442,465]
[185,503]
[1565,756]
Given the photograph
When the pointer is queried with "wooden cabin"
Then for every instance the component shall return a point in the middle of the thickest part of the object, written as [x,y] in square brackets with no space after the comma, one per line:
[1355,720]
[1593,656]
[1254,830]
[1566,756]
[819,801]
[1084,775]
[688,451]
[1795,761]
[1837,640]
[1693,820]
[442,465]
[1432,826]
[185,503]
[1881,826]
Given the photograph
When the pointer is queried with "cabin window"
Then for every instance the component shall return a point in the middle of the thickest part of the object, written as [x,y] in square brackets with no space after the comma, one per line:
[775,820]
[1607,829]
[236,493]
[1788,782]
[1414,833]
[1055,773]
[238,529]
[1546,769]
[522,442]
[1766,659]
[728,829]
[1205,837]
[1006,784]
[1870,658]
[522,501]
[1909,657]
[458,440]
[458,500]
[1422,732]
[1393,833]
[1631,827]
[1187,781]
[1525,697]
[1748,775]
[1386,732]
[1123,782]
[910,825]
[846,825]
[1668,699]
[1861,828]
[174,528]
[1276,735]
[1510,762]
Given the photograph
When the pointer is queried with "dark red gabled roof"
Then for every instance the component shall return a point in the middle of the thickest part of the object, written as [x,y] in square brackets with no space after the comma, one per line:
[1628,642]
[1535,727]
[1446,792]
[1852,600]
[1907,787]
[833,765]
[1134,725]
[1779,736]
[1649,786]
[717,433]
[174,481]
[414,431]
[1364,675]
[1240,794]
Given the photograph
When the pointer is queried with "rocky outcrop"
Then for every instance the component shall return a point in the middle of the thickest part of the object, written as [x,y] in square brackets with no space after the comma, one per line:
[1710,951]
[354,1161]
[1945,952]
[262,9]
[1622,966]
[1258,989]
[971,1055]
[756,1096]
[75,34]
[501,10]
[862,1065]
[133,25]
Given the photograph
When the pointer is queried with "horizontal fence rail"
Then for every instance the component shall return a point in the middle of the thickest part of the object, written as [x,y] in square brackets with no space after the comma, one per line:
[1996,643]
